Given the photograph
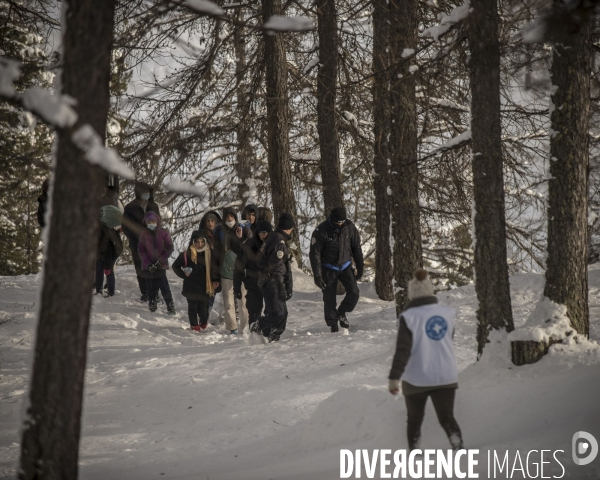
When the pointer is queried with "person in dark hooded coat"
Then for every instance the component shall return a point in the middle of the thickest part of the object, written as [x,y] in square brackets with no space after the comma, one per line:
[133,218]
[246,272]
[155,247]
[334,244]
[199,271]
[110,248]
[249,221]
[43,204]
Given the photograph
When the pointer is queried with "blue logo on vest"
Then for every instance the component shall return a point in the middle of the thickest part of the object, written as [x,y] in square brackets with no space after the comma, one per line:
[436,328]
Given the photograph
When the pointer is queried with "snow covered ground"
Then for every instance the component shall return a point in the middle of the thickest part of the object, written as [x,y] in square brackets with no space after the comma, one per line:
[163,402]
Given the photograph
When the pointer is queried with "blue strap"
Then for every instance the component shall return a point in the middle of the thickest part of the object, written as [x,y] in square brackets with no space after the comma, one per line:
[339,269]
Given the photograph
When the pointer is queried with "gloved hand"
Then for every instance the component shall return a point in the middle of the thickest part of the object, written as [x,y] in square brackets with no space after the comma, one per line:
[319,282]
[107,271]
[394,386]
[289,296]
[238,295]
[359,272]
[158,264]
[281,292]
[152,268]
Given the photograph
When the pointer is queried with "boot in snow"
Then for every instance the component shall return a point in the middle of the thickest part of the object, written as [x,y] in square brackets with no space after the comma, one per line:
[195,328]
[335,328]
[255,327]
[273,337]
[144,298]
[171,307]
[152,305]
[234,332]
[343,320]
[203,326]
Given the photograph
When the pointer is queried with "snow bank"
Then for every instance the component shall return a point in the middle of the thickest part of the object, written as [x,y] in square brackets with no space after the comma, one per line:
[178,185]
[548,320]
[204,6]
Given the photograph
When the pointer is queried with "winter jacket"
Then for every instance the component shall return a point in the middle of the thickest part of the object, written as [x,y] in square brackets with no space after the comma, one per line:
[424,355]
[133,216]
[250,230]
[194,286]
[335,247]
[246,264]
[275,261]
[230,245]
[42,205]
[110,246]
[155,245]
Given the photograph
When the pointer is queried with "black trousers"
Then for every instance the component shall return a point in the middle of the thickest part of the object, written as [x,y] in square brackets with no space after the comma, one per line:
[137,261]
[443,403]
[276,311]
[156,281]
[198,309]
[254,300]
[348,280]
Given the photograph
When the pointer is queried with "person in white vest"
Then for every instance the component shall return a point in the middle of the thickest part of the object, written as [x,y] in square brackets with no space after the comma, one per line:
[425,361]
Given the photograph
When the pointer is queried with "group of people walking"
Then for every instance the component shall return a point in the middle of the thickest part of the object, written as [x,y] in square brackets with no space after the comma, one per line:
[249,260]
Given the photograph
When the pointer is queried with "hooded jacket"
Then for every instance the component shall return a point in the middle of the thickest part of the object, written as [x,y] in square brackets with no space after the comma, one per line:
[110,246]
[335,246]
[154,245]
[133,216]
[194,286]
[230,245]
[250,231]
[275,260]
[246,264]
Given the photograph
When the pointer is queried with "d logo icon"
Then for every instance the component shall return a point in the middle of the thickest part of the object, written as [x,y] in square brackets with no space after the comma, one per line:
[584,447]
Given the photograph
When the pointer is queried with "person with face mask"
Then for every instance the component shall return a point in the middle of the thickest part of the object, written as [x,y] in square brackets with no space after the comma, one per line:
[229,235]
[246,273]
[133,217]
[199,271]
[155,247]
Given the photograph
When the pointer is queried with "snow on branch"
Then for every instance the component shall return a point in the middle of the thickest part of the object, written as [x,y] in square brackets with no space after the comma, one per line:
[89,142]
[448,21]
[204,6]
[177,185]
[281,23]
[451,144]
[54,110]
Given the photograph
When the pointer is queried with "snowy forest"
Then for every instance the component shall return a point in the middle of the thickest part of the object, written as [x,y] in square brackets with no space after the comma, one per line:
[461,136]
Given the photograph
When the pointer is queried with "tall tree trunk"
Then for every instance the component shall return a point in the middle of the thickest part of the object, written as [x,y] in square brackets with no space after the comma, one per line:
[50,444]
[384,269]
[566,270]
[245,154]
[282,190]
[326,94]
[491,268]
[403,148]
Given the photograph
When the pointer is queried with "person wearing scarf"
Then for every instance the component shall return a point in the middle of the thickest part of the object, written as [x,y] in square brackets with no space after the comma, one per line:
[198,268]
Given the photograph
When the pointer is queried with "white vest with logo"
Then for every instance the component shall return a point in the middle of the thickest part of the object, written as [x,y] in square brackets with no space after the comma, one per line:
[432,360]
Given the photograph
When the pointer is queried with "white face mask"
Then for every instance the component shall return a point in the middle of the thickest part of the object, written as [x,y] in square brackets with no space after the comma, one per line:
[230,224]
[152,226]
[145,196]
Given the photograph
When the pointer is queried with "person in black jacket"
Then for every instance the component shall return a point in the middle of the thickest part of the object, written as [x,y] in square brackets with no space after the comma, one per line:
[43,204]
[246,271]
[249,221]
[334,244]
[200,274]
[275,280]
[110,248]
[133,217]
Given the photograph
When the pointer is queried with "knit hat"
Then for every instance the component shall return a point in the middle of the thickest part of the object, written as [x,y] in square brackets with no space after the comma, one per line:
[151,216]
[420,285]
[338,214]
[197,234]
[111,216]
[264,226]
[286,222]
